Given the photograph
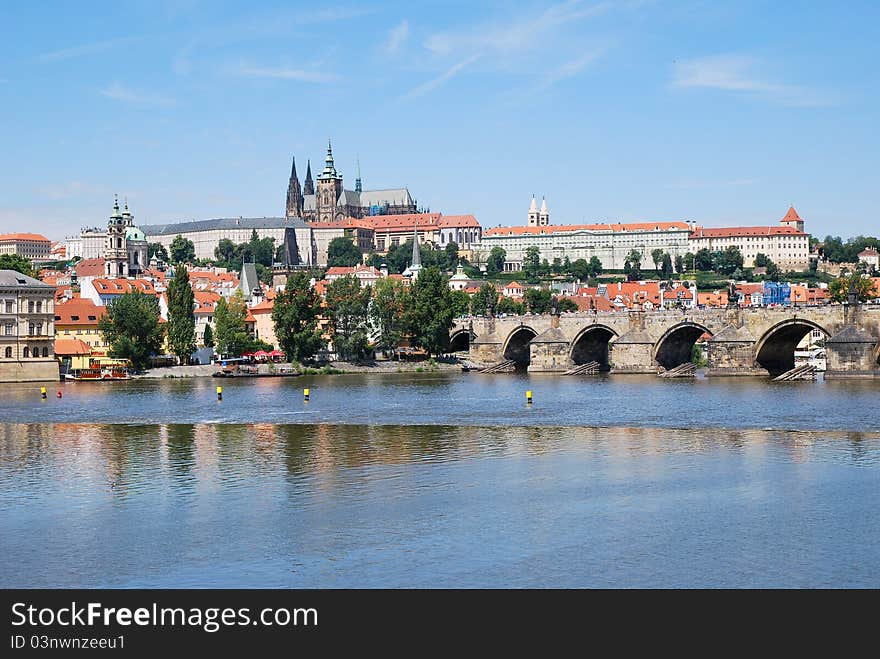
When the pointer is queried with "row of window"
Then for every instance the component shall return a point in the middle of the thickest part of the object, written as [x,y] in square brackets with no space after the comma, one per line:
[27,352]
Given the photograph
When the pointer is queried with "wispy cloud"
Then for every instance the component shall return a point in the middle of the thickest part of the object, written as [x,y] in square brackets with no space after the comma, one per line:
[522,34]
[569,69]
[737,73]
[282,73]
[397,37]
[119,92]
[433,83]
[86,49]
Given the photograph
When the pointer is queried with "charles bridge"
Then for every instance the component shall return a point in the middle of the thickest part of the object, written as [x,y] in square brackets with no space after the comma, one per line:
[751,341]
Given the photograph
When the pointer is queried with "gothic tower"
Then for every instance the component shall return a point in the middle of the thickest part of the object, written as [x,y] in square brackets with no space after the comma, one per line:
[357,182]
[115,251]
[329,190]
[544,215]
[294,194]
[309,186]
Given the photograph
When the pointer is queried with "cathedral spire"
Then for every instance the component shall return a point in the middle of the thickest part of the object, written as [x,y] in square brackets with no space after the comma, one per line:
[417,254]
[294,194]
[357,182]
[309,186]
[329,168]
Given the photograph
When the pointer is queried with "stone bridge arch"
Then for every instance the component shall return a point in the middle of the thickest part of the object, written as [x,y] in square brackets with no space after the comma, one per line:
[774,351]
[460,340]
[516,346]
[592,345]
[675,347]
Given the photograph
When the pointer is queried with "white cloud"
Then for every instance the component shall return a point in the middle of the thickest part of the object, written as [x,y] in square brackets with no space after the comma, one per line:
[736,73]
[433,83]
[119,92]
[397,37]
[283,73]
[85,49]
[569,69]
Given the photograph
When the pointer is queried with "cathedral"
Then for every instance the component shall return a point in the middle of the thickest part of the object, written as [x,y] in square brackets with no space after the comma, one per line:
[326,200]
[125,247]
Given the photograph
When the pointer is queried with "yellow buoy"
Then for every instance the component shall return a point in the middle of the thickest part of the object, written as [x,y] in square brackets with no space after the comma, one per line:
[219,393]
[43,392]
[529,396]
[306,394]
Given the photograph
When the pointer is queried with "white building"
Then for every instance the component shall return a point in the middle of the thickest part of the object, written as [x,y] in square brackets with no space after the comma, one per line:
[31,246]
[786,245]
[610,243]
[207,234]
[870,257]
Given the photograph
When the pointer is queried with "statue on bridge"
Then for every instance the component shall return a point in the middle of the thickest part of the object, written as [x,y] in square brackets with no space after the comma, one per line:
[732,296]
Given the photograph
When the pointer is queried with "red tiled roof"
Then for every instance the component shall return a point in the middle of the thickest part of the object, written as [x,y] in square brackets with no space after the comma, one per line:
[90,268]
[458,221]
[732,232]
[24,236]
[791,216]
[206,302]
[120,286]
[72,347]
[568,228]
[78,311]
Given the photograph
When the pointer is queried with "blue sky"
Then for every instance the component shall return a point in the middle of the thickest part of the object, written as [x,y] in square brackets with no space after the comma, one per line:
[715,112]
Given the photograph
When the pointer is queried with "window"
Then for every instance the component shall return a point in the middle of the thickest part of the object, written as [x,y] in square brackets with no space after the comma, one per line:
[8,353]
[45,352]
[8,306]
[31,329]
[8,329]
[39,329]
[31,306]
[39,306]
[27,352]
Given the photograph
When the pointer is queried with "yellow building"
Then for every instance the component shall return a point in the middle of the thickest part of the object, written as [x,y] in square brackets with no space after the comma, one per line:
[78,319]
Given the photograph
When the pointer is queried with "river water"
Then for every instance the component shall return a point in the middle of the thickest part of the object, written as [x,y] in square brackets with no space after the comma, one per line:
[430,480]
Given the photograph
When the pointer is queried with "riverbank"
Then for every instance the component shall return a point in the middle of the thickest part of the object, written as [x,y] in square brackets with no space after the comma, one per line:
[332,368]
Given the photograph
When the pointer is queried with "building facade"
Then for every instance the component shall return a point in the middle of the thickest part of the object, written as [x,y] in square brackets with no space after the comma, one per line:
[31,246]
[786,244]
[77,320]
[207,234]
[27,329]
[610,243]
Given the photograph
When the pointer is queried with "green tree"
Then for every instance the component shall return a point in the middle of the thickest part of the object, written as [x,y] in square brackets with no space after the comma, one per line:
[347,306]
[208,338]
[182,250]
[666,266]
[390,298]
[564,305]
[761,260]
[342,252]
[158,251]
[703,260]
[728,261]
[17,263]
[227,254]
[296,318]
[532,263]
[679,264]
[495,263]
[181,317]
[595,266]
[556,266]
[450,252]
[861,286]
[632,266]
[484,299]
[461,303]
[261,250]
[657,257]
[131,327]
[510,306]
[430,314]
[231,328]
[580,269]
[537,300]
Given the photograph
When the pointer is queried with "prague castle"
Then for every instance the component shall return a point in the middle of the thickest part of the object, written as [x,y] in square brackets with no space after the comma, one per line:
[327,200]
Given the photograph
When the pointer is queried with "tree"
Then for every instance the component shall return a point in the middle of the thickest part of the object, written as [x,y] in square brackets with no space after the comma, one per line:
[580,269]
[296,318]
[840,288]
[347,305]
[564,304]
[632,266]
[556,266]
[728,261]
[484,299]
[495,263]
[761,260]
[131,327]
[657,257]
[158,251]
[17,263]
[182,250]
[532,263]
[510,306]
[450,253]
[595,266]
[261,250]
[229,320]
[181,317]
[537,300]
[461,302]
[679,264]
[430,314]
[342,252]
[773,271]
[703,260]
[666,266]
[208,337]
[390,298]
[227,253]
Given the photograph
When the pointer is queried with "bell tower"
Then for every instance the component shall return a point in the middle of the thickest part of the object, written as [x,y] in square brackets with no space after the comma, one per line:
[329,189]
[115,249]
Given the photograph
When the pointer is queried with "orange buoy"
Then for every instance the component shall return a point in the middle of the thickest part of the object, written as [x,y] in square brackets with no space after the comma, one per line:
[58,394]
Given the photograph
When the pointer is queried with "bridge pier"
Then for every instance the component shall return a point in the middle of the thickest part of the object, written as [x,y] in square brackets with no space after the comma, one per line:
[487,349]
[549,351]
[732,352]
[852,353]
[633,353]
